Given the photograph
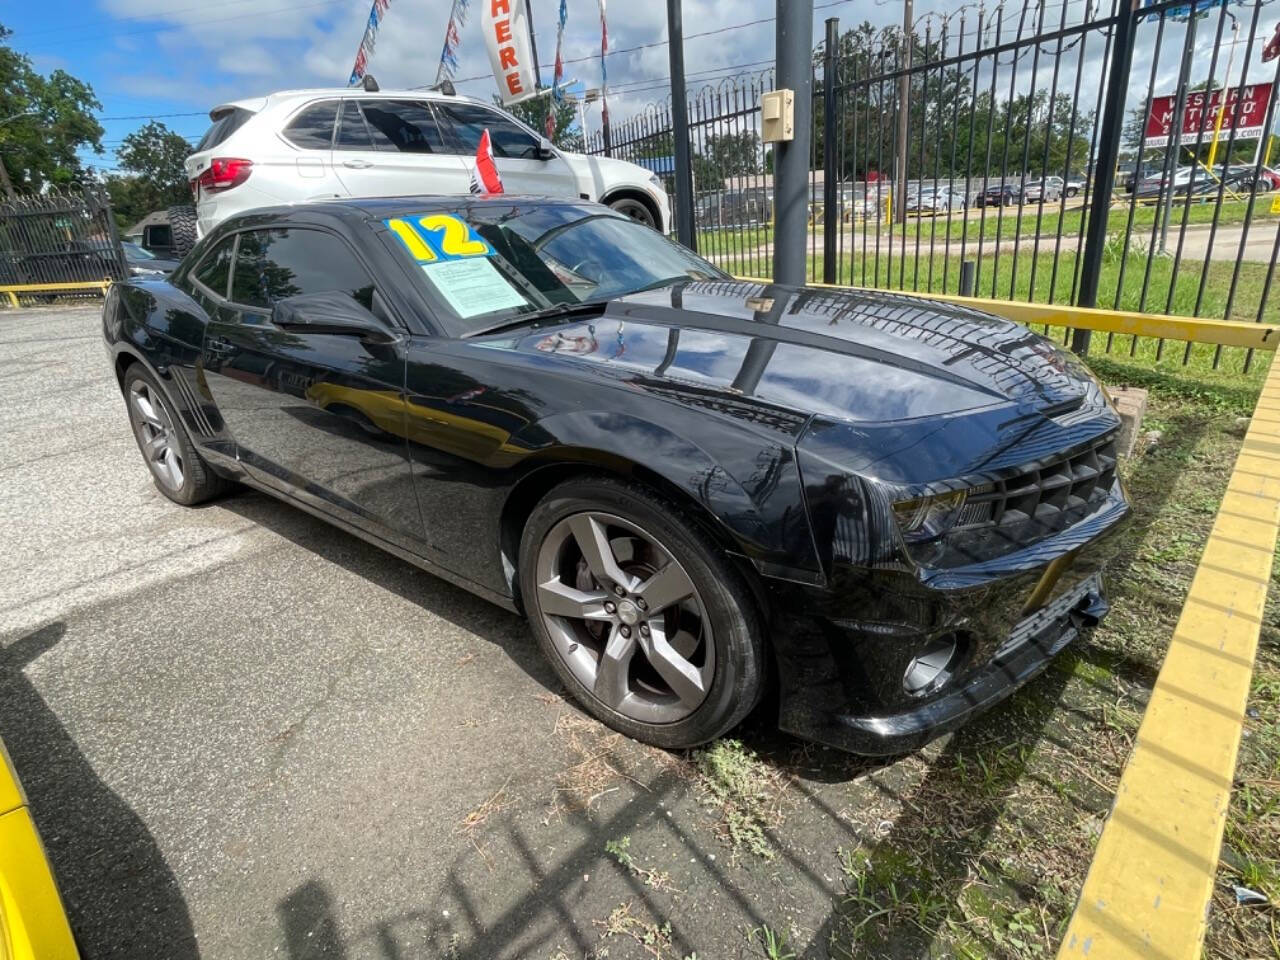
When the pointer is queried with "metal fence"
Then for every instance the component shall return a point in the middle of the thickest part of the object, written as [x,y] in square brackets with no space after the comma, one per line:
[58,238]
[992,139]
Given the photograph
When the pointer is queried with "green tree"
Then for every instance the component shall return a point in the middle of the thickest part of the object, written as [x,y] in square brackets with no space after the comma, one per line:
[534,113]
[46,121]
[152,159]
[734,154]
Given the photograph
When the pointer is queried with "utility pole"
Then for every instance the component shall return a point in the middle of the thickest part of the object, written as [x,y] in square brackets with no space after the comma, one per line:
[904,97]
[680,121]
[533,46]
[791,157]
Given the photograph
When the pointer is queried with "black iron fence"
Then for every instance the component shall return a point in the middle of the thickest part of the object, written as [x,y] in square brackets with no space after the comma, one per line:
[59,238]
[973,158]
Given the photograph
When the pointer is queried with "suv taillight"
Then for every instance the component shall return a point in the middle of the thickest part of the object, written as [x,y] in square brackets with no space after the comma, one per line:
[223,174]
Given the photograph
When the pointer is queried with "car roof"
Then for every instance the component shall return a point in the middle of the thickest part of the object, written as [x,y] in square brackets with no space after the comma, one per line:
[380,208]
[258,104]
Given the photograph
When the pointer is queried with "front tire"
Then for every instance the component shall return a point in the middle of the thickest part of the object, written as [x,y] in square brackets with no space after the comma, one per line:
[179,472]
[637,210]
[640,613]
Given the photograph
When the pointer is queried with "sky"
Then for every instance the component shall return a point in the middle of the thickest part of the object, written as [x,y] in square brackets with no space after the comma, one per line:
[175,59]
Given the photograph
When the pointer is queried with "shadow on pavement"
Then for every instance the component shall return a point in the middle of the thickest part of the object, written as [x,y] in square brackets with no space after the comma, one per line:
[121,896]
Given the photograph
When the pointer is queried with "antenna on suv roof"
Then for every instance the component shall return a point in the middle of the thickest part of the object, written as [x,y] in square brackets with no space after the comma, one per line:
[446,87]
[370,84]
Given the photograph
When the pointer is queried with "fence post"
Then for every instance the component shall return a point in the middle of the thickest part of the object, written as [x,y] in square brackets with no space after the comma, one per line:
[791,157]
[830,175]
[680,124]
[967,270]
[1110,133]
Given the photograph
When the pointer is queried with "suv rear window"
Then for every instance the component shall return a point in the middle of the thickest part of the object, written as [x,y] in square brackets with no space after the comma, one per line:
[224,125]
[312,129]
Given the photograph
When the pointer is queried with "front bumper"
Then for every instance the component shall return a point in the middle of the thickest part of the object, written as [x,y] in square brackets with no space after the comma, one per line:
[844,652]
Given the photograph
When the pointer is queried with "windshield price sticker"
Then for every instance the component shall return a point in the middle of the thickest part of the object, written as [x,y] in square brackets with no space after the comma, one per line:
[438,236]
[473,286]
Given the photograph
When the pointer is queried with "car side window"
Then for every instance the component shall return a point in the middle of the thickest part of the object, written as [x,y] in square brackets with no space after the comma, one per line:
[278,263]
[469,122]
[312,129]
[404,125]
[352,132]
[213,271]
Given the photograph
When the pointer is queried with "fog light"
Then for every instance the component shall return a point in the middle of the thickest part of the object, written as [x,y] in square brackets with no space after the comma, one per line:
[932,668]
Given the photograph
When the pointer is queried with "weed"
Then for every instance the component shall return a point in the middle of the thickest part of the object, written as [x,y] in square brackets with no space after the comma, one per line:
[746,792]
[620,850]
[773,942]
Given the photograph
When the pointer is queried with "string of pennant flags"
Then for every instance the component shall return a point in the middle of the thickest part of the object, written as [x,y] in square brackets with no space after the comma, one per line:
[452,40]
[458,15]
[365,51]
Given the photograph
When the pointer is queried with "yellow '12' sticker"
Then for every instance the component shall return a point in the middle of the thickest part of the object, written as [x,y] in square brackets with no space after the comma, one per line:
[438,236]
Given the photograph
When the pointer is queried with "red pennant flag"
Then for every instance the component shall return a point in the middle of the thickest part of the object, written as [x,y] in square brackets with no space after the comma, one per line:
[550,125]
[1272,49]
[484,178]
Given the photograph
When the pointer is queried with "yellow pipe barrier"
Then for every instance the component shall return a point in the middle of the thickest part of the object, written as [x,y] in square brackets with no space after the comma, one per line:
[1148,889]
[13,289]
[1228,333]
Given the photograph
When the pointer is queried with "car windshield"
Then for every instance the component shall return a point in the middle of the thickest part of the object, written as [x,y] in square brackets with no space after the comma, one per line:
[137,252]
[485,263]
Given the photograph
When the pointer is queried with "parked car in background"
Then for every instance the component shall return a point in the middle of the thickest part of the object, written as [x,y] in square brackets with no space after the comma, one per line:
[301,145]
[1074,186]
[1199,182]
[142,262]
[1043,190]
[1268,179]
[932,200]
[1000,194]
[33,921]
[568,414]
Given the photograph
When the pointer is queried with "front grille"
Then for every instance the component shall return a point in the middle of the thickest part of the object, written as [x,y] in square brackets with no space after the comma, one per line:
[1044,494]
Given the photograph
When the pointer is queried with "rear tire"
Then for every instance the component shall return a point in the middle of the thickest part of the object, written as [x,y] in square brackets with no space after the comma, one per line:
[637,210]
[675,671]
[182,230]
[179,472]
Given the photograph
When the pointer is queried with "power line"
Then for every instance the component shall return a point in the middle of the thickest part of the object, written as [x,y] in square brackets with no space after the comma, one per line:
[157,116]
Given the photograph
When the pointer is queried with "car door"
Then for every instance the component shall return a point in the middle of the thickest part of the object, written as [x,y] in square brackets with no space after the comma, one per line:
[311,130]
[389,148]
[516,151]
[317,415]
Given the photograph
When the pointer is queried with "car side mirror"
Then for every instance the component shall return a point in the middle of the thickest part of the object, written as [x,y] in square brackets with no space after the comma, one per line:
[546,149]
[332,312]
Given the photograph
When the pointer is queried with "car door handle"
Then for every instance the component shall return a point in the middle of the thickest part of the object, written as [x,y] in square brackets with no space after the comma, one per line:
[217,345]
[357,164]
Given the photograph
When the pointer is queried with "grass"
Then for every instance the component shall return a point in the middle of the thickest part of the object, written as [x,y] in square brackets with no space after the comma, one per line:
[1004,223]
[1033,278]
[993,837]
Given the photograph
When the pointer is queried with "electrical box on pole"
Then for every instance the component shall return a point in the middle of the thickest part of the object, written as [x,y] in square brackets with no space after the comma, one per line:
[778,116]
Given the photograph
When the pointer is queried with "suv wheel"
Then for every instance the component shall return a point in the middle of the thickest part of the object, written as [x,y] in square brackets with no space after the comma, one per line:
[637,210]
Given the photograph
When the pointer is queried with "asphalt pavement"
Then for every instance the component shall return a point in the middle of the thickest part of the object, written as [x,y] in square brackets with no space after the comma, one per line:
[244,733]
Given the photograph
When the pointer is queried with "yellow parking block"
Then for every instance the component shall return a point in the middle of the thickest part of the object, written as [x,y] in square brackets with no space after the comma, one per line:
[1148,889]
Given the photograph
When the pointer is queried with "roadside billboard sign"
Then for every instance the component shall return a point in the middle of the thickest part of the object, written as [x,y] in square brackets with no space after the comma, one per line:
[1246,113]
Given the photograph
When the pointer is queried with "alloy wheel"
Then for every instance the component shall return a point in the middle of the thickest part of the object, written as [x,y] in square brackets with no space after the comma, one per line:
[625,617]
[634,209]
[156,435]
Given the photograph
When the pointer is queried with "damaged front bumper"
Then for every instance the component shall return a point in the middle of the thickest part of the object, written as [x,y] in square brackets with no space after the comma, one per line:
[882,662]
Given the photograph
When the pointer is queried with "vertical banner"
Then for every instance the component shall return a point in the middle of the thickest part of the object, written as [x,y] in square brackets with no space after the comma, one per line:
[506,37]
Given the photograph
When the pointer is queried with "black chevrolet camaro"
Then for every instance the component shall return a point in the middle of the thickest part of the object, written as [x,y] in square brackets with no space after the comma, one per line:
[895,511]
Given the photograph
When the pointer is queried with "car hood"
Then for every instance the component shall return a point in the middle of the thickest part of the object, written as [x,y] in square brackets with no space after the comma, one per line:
[836,355]
[599,174]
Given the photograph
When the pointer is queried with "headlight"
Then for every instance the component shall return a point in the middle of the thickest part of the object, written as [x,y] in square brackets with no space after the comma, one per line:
[656,183]
[921,517]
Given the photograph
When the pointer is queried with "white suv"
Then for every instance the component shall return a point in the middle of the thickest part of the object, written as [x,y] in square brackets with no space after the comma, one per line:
[301,145]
